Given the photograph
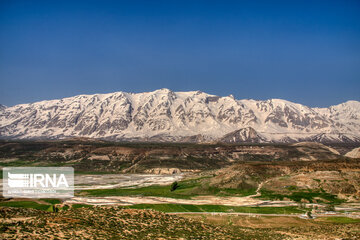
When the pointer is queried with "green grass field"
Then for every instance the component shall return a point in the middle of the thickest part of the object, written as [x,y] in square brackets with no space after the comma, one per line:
[51,200]
[297,196]
[32,204]
[25,204]
[81,205]
[344,220]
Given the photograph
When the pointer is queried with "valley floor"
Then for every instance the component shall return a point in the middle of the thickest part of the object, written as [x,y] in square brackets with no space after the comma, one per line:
[222,192]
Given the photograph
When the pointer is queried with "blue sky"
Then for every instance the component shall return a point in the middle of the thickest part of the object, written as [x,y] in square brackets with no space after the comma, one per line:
[303,51]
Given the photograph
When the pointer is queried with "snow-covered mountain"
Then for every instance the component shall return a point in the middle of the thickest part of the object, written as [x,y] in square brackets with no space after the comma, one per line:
[164,115]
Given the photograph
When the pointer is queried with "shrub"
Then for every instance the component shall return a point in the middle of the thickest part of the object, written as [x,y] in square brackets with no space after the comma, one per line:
[174,186]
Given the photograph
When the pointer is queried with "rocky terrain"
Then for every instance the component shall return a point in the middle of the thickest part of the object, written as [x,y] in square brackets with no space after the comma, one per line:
[316,181]
[161,158]
[282,169]
[164,115]
[104,223]
[289,227]
[355,153]
[118,223]
[222,177]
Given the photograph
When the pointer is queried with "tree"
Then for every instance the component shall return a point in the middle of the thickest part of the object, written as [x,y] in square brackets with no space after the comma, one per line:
[174,186]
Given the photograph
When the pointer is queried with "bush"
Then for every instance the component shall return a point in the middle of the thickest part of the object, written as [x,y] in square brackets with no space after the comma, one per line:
[174,186]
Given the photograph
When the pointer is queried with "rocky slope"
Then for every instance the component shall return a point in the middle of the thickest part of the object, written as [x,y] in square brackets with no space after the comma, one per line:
[355,153]
[194,116]
[295,180]
[153,158]
[118,223]
[107,223]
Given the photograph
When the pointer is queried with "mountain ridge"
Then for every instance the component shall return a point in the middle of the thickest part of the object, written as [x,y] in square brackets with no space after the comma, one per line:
[164,115]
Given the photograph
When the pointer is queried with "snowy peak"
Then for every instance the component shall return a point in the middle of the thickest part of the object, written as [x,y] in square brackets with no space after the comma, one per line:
[175,116]
[243,135]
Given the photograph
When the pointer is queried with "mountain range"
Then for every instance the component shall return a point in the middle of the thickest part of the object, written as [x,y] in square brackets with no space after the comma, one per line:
[194,116]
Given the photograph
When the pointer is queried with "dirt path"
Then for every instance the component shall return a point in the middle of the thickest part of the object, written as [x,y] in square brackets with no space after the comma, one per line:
[257,194]
[199,200]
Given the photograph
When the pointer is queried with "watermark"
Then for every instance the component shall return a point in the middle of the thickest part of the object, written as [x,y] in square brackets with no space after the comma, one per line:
[38,182]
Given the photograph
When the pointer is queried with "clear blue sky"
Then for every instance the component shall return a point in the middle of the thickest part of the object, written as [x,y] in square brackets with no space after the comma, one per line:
[302,51]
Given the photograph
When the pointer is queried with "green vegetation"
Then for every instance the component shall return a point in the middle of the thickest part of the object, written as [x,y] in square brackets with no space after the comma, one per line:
[25,204]
[166,207]
[51,200]
[298,196]
[342,220]
[292,188]
[215,208]
[184,190]
[52,208]
[174,186]
[17,163]
[33,163]
[49,206]
[284,177]
[75,206]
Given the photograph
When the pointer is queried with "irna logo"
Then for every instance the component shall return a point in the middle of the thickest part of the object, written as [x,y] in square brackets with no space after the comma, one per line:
[38,182]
